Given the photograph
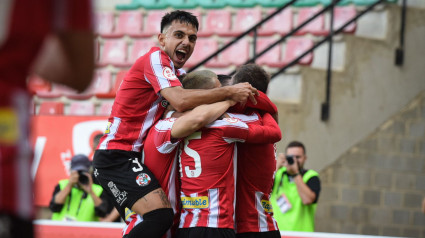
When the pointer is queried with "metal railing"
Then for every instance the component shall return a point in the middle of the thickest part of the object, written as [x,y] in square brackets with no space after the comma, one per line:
[325,110]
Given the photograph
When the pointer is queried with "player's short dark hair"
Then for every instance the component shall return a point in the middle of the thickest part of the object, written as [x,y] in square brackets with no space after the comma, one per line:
[253,74]
[200,79]
[181,16]
[224,79]
[296,144]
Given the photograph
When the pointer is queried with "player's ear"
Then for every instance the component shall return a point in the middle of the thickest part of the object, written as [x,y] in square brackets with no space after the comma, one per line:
[161,39]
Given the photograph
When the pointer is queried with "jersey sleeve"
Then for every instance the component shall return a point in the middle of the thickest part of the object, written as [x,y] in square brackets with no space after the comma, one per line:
[263,104]
[163,141]
[233,129]
[267,133]
[159,71]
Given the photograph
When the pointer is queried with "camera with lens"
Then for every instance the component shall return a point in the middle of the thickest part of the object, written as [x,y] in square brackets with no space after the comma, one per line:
[290,159]
[82,177]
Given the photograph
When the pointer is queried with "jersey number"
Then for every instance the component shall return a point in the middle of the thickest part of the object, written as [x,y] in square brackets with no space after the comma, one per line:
[192,173]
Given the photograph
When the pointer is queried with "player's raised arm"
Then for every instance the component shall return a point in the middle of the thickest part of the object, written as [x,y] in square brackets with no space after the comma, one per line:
[269,132]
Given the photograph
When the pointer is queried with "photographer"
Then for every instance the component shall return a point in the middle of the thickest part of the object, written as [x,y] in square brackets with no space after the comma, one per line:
[77,198]
[295,190]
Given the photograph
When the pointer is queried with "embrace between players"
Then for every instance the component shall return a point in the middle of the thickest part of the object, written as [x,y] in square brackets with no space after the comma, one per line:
[189,158]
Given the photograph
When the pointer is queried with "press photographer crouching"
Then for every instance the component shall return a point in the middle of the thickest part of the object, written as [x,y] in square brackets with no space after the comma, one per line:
[77,198]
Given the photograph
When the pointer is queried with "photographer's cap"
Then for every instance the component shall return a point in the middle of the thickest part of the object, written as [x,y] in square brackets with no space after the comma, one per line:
[80,162]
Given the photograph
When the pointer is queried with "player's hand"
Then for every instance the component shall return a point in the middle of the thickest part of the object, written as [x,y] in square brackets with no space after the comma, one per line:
[242,91]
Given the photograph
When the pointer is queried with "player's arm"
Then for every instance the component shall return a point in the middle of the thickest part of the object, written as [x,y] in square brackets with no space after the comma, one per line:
[67,56]
[198,118]
[267,133]
[185,99]
[263,104]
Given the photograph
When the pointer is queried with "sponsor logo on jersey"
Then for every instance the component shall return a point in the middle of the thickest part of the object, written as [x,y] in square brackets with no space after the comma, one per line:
[108,128]
[231,119]
[195,202]
[9,128]
[267,206]
[169,74]
[143,179]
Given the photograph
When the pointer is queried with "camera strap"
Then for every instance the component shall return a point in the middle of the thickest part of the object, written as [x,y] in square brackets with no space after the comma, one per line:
[79,204]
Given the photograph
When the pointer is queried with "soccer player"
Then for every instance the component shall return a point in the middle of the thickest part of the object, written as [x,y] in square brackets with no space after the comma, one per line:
[66,58]
[207,173]
[162,141]
[145,92]
[255,168]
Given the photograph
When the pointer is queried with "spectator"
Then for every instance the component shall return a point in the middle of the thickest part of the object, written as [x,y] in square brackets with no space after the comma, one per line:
[295,191]
[77,198]
[151,83]
[66,58]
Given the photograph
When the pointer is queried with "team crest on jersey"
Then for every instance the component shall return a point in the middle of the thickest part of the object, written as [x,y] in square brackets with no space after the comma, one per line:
[231,119]
[108,128]
[143,179]
[195,202]
[267,206]
[164,103]
[169,74]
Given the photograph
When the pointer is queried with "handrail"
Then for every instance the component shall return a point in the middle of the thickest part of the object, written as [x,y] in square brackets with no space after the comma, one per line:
[283,38]
[326,105]
[327,38]
[242,35]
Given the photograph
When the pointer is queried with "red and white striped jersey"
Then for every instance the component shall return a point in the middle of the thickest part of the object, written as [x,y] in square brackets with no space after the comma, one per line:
[23,26]
[255,173]
[138,104]
[207,172]
[160,156]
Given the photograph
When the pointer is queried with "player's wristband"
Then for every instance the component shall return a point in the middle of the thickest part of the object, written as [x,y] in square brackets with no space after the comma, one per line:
[169,114]
[294,175]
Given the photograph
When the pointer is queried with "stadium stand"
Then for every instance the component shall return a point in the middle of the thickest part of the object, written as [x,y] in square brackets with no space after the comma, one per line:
[140,47]
[130,23]
[51,108]
[245,19]
[81,108]
[114,52]
[105,108]
[204,47]
[111,94]
[217,22]
[273,57]
[104,23]
[280,24]
[315,27]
